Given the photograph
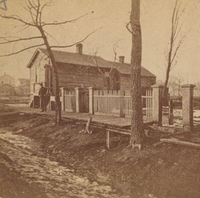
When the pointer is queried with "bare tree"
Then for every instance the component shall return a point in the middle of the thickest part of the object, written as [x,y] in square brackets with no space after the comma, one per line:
[174,44]
[175,83]
[35,9]
[95,60]
[137,128]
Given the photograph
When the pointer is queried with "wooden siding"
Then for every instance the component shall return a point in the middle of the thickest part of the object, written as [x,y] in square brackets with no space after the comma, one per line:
[71,76]
[37,73]
[146,82]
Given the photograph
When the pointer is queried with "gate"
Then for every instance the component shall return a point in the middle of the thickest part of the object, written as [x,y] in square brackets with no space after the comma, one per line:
[147,103]
[84,101]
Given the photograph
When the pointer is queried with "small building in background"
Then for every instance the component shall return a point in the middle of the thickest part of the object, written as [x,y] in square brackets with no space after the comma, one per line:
[7,90]
[7,79]
[23,89]
[24,81]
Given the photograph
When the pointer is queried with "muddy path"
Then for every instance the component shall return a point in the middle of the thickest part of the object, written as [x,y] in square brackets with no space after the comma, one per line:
[55,180]
[40,160]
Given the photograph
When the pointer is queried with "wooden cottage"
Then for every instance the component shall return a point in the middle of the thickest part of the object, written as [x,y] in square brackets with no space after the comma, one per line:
[7,79]
[81,70]
[7,90]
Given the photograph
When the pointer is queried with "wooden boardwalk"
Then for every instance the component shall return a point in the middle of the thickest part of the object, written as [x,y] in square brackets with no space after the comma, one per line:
[107,120]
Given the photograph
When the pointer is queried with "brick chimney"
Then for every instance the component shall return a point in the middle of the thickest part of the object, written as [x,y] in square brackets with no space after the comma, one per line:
[121,59]
[79,48]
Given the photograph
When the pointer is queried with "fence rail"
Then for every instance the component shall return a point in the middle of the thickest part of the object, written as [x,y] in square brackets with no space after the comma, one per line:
[70,101]
[107,102]
[110,102]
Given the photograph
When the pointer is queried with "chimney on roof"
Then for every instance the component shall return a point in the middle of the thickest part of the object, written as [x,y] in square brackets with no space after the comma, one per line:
[79,48]
[121,59]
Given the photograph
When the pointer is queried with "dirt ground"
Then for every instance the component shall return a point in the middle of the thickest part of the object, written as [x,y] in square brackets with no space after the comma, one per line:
[40,160]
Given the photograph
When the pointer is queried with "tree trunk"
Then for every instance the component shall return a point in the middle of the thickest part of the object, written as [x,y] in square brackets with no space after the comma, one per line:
[55,72]
[137,129]
[165,91]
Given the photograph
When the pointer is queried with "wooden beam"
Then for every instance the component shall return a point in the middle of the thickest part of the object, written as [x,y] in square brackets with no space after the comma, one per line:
[180,142]
[108,139]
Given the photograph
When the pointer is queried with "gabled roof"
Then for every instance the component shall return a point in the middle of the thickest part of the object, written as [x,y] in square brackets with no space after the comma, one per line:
[2,85]
[74,58]
[125,68]
[87,60]
[7,75]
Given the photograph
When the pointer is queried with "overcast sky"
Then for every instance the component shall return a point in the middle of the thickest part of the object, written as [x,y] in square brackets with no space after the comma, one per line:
[110,17]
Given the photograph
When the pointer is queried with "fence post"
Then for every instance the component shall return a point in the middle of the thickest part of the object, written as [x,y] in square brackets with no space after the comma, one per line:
[91,100]
[187,107]
[122,104]
[157,104]
[77,90]
[63,98]
[171,116]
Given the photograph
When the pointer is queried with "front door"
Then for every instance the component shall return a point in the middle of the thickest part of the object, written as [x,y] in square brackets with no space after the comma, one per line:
[84,101]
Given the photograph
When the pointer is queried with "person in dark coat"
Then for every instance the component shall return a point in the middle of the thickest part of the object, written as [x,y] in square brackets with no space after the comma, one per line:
[42,94]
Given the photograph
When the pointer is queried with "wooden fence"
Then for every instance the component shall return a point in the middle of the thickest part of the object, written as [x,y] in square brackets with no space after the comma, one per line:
[112,102]
[107,102]
[69,101]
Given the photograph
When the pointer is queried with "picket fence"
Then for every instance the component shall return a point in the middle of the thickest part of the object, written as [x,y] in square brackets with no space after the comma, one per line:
[112,101]
[109,102]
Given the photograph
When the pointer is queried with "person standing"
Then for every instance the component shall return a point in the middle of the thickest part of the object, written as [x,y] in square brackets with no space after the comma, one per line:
[42,94]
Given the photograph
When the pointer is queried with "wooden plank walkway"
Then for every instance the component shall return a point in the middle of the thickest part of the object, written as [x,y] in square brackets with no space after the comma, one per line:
[106,120]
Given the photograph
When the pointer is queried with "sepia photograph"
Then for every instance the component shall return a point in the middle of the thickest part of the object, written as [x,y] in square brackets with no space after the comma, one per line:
[99,99]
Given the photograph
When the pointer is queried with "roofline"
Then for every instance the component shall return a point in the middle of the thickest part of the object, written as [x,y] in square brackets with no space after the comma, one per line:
[6,84]
[152,75]
[32,58]
[39,50]
[7,75]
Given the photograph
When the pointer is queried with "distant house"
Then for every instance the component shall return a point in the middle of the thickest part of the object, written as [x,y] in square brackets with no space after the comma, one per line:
[81,70]
[7,79]
[24,81]
[23,89]
[7,90]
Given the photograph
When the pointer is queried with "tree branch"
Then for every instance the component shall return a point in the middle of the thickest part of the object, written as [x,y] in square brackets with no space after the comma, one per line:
[17,18]
[32,5]
[177,32]
[14,53]
[37,12]
[127,27]
[51,36]
[71,45]
[176,50]
[18,40]
[41,10]
[115,56]
[96,63]
[64,22]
